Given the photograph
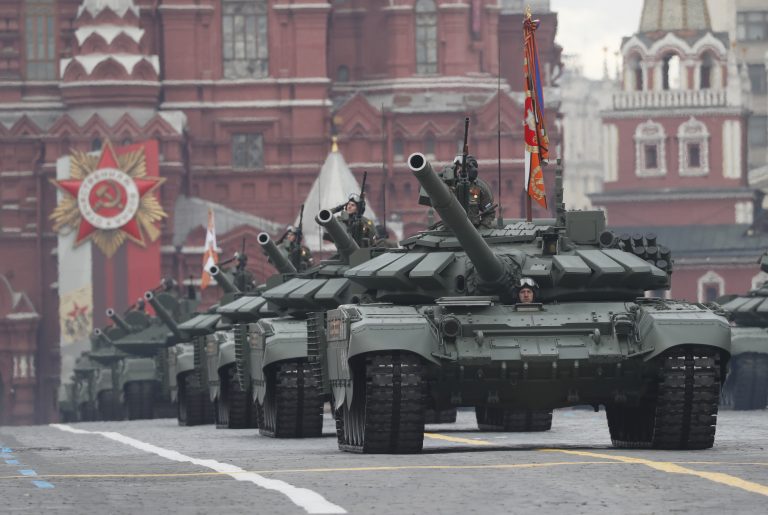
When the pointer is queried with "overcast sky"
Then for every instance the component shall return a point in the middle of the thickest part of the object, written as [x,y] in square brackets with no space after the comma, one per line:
[584,27]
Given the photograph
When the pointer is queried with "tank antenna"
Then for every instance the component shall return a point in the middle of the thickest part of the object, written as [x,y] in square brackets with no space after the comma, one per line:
[383,168]
[500,218]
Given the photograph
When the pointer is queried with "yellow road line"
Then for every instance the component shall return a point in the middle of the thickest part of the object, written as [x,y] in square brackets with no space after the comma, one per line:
[340,469]
[672,468]
[456,439]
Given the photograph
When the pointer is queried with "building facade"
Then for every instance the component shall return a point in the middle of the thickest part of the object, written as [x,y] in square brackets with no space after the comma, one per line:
[242,98]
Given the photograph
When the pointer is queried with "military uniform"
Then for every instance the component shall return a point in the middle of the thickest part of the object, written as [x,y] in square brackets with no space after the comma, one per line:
[480,209]
[360,228]
[299,255]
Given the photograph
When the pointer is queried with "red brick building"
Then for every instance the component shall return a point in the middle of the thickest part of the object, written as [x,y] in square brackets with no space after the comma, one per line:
[242,98]
[674,151]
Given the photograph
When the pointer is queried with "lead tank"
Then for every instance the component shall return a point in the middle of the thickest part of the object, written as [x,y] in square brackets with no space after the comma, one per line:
[444,330]
[746,387]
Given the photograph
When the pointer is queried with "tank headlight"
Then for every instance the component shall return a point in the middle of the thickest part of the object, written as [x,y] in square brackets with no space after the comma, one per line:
[451,327]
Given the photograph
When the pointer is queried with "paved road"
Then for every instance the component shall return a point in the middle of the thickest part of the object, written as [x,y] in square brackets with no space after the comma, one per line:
[157,467]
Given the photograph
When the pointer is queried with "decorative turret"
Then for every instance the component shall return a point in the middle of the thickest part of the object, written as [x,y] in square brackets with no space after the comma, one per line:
[111,61]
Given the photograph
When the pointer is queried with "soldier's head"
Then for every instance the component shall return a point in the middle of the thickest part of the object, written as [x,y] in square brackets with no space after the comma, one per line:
[353,205]
[527,290]
[471,166]
[290,233]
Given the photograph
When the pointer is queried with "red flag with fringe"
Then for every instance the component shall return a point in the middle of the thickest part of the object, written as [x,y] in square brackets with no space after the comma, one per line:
[536,140]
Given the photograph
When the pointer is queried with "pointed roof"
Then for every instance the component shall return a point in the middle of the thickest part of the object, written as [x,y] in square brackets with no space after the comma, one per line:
[332,187]
[668,15]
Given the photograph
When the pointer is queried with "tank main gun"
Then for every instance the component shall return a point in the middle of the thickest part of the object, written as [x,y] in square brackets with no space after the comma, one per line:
[163,314]
[492,270]
[345,244]
[102,337]
[119,321]
[222,280]
[280,260]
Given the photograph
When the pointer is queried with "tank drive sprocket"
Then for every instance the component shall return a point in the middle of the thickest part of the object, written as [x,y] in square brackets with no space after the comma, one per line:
[293,402]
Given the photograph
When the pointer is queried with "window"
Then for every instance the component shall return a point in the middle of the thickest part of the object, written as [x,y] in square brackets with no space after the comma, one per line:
[398,148]
[693,141]
[96,144]
[757,130]
[636,73]
[710,286]
[650,150]
[670,72]
[705,71]
[426,36]
[342,74]
[757,79]
[247,151]
[429,146]
[752,26]
[40,35]
[244,38]
[651,157]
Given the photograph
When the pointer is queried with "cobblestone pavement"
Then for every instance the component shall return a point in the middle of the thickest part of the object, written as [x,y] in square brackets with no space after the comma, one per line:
[157,467]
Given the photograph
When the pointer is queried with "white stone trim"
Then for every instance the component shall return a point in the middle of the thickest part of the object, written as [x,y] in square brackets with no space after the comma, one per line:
[744,212]
[670,40]
[246,82]
[185,7]
[650,133]
[127,61]
[301,7]
[105,83]
[109,32]
[241,104]
[732,149]
[759,279]
[711,277]
[693,131]
[610,149]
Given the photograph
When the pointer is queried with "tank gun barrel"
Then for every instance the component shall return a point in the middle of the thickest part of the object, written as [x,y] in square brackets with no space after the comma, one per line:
[280,260]
[221,278]
[102,337]
[345,244]
[488,266]
[119,321]
[163,314]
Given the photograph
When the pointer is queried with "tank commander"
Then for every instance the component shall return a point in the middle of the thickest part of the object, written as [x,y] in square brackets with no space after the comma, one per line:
[480,208]
[527,291]
[299,255]
[360,228]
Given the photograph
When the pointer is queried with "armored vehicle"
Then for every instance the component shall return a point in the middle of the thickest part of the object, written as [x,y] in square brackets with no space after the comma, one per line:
[107,379]
[84,388]
[281,356]
[446,330]
[746,386]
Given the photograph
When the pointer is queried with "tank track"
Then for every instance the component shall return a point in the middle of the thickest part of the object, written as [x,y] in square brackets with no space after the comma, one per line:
[444,416]
[140,400]
[511,420]
[746,387]
[233,407]
[109,406]
[87,411]
[388,406]
[194,407]
[293,403]
[682,411]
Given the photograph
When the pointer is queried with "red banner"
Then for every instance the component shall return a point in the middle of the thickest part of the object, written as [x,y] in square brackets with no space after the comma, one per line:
[536,140]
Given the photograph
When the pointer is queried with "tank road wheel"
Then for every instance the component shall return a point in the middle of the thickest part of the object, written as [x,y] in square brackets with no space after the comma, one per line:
[293,401]
[445,416]
[746,387]
[511,420]
[140,399]
[388,406]
[234,409]
[194,405]
[109,408]
[682,412]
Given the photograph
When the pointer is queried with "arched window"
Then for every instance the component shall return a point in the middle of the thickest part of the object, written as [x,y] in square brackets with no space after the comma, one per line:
[426,36]
[693,141]
[634,74]
[244,38]
[398,148]
[342,74]
[96,144]
[671,72]
[705,71]
[40,35]
[710,286]
[650,158]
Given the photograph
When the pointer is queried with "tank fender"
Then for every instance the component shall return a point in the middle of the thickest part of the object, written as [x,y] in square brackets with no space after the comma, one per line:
[103,381]
[385,328]
[749,339]
[185,360]
[662,329]
[138,369]
[279,348]
[227,351]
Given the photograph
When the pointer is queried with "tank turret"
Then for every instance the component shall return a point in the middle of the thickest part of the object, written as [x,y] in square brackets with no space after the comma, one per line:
[163,314]
[223,280]
[119,321]
[280,260]
[345,244]
[101,338]
[491,269]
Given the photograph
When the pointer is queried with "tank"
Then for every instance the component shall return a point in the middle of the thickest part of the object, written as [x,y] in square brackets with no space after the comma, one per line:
[746,386]
[84,388]
[444,328]
[281,356]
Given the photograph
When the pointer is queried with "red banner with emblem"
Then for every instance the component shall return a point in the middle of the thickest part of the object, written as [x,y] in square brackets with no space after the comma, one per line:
[536,140]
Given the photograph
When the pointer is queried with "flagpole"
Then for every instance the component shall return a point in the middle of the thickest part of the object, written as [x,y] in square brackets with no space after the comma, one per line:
[528,204]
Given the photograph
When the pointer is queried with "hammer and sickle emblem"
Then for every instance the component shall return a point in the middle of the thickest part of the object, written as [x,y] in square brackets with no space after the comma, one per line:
[108,195]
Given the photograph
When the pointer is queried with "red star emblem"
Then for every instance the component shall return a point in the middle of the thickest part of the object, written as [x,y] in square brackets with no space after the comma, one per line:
[77,310]
[108,198]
